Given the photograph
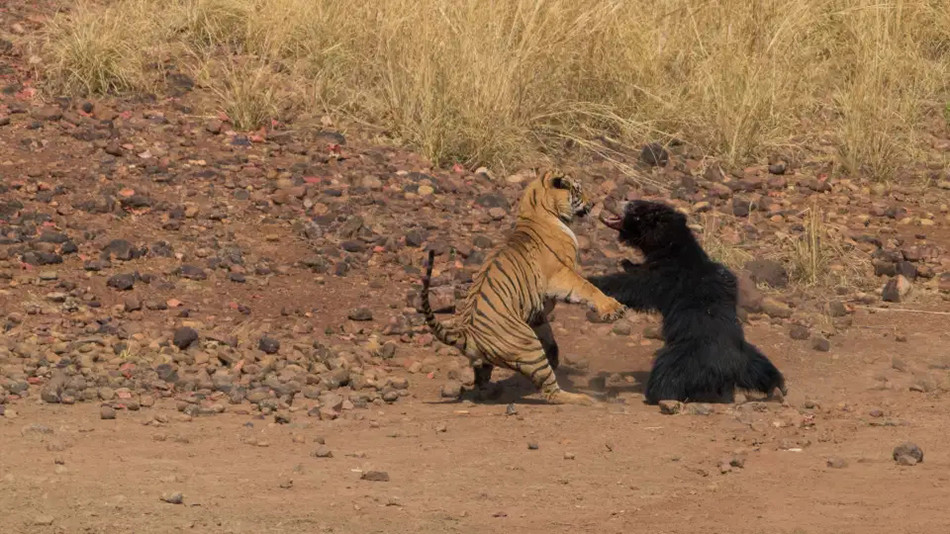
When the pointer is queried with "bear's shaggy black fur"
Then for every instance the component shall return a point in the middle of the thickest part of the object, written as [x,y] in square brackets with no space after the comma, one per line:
[705,356]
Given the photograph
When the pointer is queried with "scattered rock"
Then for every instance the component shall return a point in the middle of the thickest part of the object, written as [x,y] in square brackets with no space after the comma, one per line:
[268,345]
[322,452]
[775,308]
[106,412]
[655,155]
[896,289]
[184,336]
[908,453]
[173,497]
[820,344]
[121,282]
[836,462]
[451,390]
[799,332]
[769,272]
[375,476]
[360,314]
[670,407]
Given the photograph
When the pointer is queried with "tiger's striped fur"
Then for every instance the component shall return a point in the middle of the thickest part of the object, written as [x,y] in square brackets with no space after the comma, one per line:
[503,320]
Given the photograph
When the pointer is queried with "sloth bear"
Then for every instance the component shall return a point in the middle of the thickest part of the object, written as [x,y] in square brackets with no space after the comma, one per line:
[706,356]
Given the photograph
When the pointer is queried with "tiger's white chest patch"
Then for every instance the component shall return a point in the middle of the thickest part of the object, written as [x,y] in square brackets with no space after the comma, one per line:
[567,230]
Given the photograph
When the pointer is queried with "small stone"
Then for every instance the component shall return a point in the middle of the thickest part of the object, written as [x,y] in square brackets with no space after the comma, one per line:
[799,332]
[906,460]
[360,314]
[107,412]
[769,272]
[451,390]
[214,126]
[836,308]
[896,289]
[568,455]
[322,452]
[655,155]
[698,409]
[184,336]
[44,520]
[908,453]
[622,328]
[775,308]
[268,345]
[375,476]
[121,282]
[670,407]
[836,462]
[532,445]
[820,344]
[173,497]
[497,213]
[652,332]
[777,168]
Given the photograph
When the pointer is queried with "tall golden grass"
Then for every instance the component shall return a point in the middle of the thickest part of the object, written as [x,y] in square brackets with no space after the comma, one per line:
[495,81]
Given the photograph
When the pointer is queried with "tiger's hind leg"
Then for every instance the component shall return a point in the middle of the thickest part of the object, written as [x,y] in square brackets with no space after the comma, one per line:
[548,343]
[544,332]
[534,365]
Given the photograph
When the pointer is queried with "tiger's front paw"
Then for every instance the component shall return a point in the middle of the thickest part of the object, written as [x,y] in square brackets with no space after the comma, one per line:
[612,311]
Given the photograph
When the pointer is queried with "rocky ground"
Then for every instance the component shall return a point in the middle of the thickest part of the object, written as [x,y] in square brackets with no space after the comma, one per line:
[217,330]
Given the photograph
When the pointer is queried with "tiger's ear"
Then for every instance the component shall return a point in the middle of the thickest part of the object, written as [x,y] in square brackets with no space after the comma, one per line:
[544,174]
[558,183]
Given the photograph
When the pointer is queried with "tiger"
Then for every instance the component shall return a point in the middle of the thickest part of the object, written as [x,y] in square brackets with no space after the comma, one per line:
[504,318]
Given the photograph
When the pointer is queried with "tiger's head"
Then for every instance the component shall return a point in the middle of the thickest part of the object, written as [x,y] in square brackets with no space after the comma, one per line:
[556,193]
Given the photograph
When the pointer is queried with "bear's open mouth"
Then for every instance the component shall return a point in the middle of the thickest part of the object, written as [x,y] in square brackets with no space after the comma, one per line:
[611,220]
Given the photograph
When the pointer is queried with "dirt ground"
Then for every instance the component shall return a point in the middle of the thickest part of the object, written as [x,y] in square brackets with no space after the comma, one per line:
[215,331]
[465,467]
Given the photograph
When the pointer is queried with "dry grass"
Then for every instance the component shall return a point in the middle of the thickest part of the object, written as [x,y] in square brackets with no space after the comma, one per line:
[810,257]
[820,258]
[711,239]
[494,82]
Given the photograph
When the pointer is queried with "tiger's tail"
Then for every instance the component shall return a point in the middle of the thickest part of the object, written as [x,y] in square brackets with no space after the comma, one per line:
[447,335]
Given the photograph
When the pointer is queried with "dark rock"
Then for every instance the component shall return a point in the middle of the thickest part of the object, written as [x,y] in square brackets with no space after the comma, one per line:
[360,314]
[740,207]
[415,238]
[768,272]
[908,453]
[820,344]
[896,289]
[799,332]
[121,282]
[492,200]
[777,167]
[192,272]
[184,336]
[268,345]
[120,249]
[323,452]
[375,476]
[655,155]
[353,245]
